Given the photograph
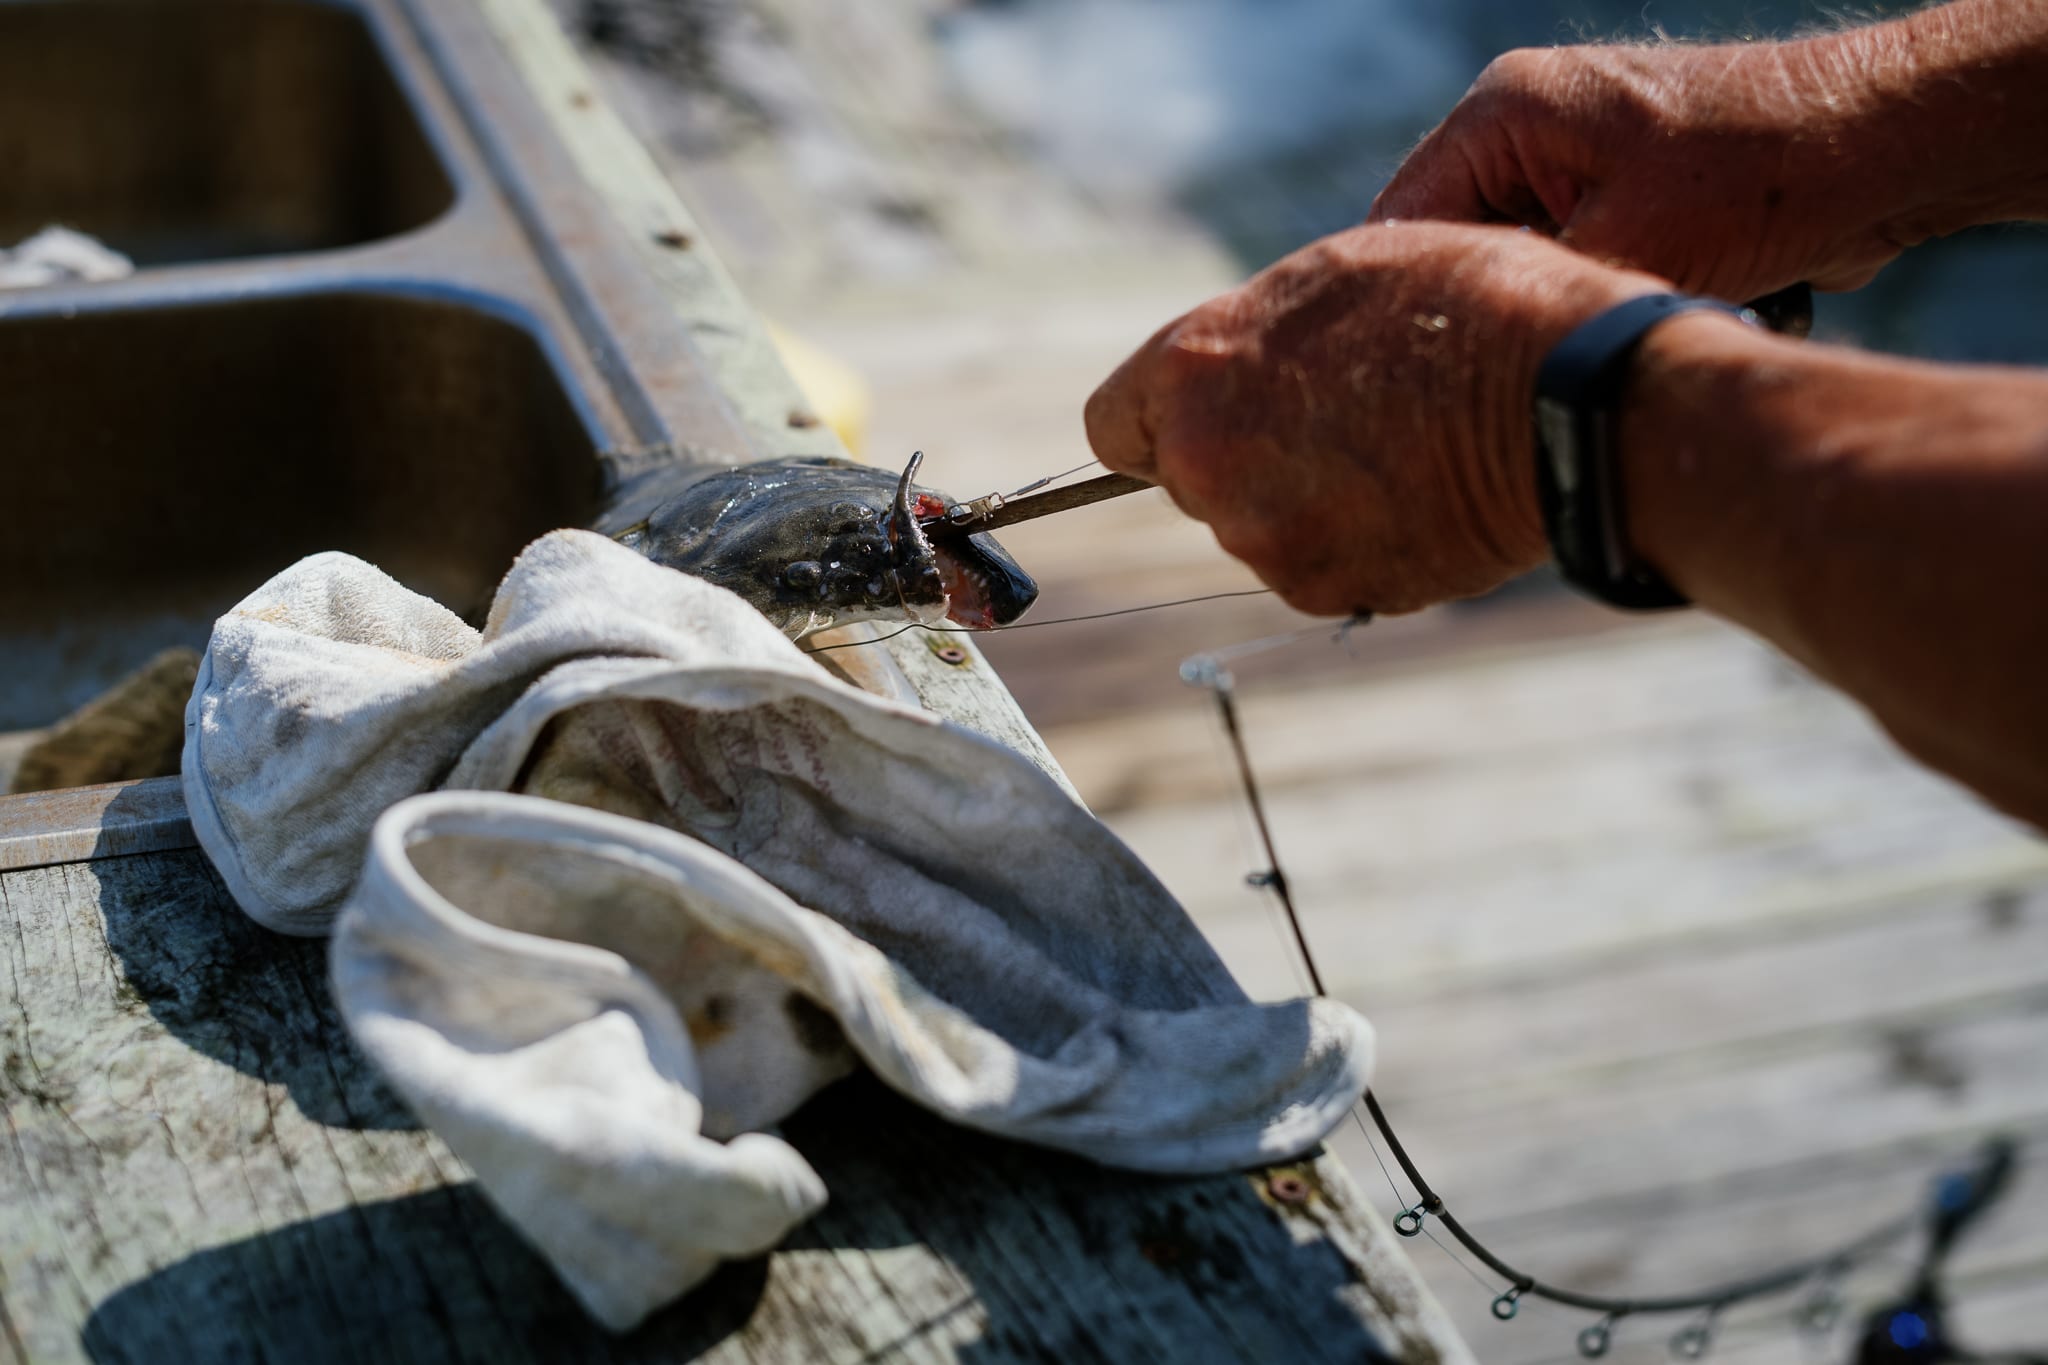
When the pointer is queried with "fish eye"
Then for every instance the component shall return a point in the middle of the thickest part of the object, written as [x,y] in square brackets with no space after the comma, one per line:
[805,573]
[843,517]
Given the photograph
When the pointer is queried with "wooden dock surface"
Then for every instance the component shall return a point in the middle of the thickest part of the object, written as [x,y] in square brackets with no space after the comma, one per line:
[197,1165]
[1679,967]
[200,1166]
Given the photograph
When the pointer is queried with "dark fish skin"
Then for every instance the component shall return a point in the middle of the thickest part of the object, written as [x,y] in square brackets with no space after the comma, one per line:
[813,543]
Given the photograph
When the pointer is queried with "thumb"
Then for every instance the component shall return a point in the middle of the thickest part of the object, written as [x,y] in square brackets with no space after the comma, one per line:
[1435,182]
[1115,419]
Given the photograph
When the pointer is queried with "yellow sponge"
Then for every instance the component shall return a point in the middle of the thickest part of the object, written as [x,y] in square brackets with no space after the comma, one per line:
[837,395]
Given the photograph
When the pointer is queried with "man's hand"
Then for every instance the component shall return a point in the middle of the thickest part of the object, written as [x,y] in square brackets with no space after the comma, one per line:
[1354,422]
[1730,170]
[1737,170]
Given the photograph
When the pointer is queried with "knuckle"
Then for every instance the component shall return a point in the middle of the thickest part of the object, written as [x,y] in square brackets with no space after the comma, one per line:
[1199,479]
[1099,413]
[1196,348]
[1321,596]
[1513,71]
[1246,535]
[1254,541]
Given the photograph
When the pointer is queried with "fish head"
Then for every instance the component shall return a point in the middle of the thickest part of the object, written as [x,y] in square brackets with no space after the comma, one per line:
[816,543]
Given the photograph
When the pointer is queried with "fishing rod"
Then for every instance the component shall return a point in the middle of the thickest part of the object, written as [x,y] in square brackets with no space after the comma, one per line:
[1916,1325]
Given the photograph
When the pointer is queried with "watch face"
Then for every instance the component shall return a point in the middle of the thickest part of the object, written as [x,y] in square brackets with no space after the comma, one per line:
[1557,426]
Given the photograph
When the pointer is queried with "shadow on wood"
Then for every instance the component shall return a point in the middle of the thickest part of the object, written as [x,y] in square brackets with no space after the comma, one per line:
[349,1236]
[435,1276]
[997,1251]
[233,990]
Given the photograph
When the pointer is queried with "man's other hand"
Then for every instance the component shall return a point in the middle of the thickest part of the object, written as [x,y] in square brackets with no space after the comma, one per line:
[1732,170]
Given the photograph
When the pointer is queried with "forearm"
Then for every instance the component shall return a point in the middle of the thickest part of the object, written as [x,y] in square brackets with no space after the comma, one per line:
[1942,114]
[1883,521]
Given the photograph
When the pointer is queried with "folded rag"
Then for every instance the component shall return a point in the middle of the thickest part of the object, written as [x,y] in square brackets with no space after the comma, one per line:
[60,255]
[583,1003]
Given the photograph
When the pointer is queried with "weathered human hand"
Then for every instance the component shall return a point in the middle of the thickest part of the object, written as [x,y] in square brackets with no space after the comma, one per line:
[1732,170]
[1354,422]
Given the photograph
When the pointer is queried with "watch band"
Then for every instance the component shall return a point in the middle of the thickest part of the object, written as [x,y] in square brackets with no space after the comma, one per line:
[1578,479]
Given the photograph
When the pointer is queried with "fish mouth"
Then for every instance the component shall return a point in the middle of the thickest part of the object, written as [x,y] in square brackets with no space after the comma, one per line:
[977,584]
[985,588]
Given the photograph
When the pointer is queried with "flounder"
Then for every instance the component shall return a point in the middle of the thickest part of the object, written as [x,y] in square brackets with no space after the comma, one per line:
[813,543]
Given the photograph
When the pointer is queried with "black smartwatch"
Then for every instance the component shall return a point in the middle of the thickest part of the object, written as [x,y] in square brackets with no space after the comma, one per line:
[1578,479]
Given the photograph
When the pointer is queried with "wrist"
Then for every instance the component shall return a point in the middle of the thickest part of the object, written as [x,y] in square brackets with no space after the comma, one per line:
[1574,291]
[1719,421]
[1579,476]
[1933,119]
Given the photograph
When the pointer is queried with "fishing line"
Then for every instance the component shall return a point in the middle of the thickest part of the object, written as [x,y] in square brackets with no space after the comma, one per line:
[974,509]
[1037,484]
[1055,621]
[1456,1259]
[1206,670]
[1819,1273]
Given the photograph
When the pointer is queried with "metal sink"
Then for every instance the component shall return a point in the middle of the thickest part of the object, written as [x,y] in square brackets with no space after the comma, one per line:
[378,311]
[162,462]
[199,131]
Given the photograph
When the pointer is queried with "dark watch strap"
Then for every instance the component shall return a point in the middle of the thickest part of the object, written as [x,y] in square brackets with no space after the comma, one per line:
[1578,477]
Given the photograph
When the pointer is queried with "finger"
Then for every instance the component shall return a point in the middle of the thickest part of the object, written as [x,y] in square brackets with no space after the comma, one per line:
[1436,181]
[1843,279]
[1306,578]
[1115,417]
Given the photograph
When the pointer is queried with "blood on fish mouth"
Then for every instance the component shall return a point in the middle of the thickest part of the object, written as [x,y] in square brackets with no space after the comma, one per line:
[968,602]
[978,586]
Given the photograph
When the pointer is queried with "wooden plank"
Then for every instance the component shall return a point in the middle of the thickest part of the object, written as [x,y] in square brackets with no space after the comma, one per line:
[199,1166]
[735,346]
[1723,1005]
[1999,1315]
[1498,822]
[1544,703]
[1800,1209]
[105,821]
[1715,1236]
[1702,912]
[1417,885]
[237,1184]
[1637,1134]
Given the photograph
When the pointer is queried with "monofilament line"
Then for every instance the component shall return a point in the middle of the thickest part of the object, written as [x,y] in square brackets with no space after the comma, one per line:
[1055,621]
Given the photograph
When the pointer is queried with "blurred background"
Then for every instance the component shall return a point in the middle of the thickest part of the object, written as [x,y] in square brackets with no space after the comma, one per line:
[1679,968]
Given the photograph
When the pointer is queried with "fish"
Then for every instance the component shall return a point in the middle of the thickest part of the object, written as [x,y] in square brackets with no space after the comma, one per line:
[817,542]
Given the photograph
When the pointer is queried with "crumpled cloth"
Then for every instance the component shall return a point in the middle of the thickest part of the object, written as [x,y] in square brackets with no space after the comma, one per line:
[61,255]
[584,1004]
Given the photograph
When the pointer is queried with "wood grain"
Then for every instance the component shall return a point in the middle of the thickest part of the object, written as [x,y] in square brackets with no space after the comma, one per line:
[199,1166]
[1679,966]
[108,820]
[1596,868]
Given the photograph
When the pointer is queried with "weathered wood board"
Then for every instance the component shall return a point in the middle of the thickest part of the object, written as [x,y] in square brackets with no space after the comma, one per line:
[198,1165]
[1645,899]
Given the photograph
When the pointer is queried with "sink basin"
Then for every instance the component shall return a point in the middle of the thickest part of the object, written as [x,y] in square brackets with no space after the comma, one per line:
[191,130]
[160,462]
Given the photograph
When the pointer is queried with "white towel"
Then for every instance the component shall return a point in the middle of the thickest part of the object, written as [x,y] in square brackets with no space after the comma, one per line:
[583,1004]
[59,255]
